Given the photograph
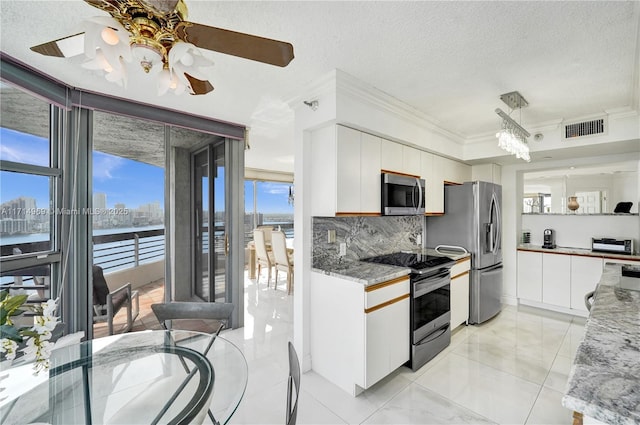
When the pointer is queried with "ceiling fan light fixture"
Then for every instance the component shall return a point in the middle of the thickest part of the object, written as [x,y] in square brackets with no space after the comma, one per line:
[109,36]
[156,34]
[149,56]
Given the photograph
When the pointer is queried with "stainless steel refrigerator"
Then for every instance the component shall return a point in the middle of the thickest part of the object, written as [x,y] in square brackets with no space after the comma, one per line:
[472,219]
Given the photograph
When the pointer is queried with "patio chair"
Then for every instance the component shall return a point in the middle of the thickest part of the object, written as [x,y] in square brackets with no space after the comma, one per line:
[283,260]
[294,380]
[264,257]
[107,303]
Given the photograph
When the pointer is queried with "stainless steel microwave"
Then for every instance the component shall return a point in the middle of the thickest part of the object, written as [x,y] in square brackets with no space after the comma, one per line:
[402,195]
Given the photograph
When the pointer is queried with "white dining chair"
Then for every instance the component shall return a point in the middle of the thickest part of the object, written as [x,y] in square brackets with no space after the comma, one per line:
[283,260]
[264,257]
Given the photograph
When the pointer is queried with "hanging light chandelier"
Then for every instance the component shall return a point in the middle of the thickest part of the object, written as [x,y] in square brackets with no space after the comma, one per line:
[512,137]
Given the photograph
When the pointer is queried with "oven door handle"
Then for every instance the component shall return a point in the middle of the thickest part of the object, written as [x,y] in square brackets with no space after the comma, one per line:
[433,335]
[427,285]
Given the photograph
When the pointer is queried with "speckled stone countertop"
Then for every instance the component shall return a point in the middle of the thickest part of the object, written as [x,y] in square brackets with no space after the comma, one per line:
[363,272]
[604,382]
[577,251]
[372,273]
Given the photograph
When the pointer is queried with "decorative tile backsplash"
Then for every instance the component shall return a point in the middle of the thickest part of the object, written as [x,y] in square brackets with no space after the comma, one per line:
[364,236]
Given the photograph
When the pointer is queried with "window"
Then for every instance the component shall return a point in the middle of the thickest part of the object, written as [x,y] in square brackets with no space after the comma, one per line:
[268,203]
[29,211]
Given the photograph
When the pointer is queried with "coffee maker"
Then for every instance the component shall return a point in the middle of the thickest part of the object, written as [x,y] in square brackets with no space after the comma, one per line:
[549,239]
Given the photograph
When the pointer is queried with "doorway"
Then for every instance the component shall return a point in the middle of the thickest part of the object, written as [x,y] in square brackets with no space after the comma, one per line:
[210,235]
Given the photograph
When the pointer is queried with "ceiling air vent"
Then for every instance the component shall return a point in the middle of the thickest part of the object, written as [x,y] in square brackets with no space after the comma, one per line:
[585,128]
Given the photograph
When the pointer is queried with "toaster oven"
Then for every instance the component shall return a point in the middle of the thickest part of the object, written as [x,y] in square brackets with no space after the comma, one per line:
[618,246]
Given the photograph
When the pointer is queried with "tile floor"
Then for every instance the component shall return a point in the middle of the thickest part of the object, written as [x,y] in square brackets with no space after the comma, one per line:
[510,370]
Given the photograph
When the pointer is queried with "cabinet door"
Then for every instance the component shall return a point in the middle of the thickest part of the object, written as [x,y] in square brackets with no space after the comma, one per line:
[530,275]
[391,156]
[348,170]
[459,299]
[434,182]
[387,340]
[411,161]
[556,279]
[585,275]
[456,172]
[370,182]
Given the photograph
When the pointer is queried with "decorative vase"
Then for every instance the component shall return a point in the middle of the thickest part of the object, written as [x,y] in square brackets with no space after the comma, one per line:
[573,203]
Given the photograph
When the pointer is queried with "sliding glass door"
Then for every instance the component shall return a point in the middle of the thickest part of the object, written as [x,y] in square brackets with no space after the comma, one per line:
[210,236]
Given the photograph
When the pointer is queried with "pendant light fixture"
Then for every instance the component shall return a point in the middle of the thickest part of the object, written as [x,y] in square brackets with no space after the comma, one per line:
[512,137]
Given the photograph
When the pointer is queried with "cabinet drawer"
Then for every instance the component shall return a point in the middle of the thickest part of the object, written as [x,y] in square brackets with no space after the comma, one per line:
[387,292]
[460,267]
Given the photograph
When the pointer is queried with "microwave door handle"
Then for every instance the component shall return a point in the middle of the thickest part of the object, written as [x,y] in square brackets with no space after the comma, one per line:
[413,197]
[419,194]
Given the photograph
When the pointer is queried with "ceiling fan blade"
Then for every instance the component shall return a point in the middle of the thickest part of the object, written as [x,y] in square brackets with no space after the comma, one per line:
[199,86]
[239,44]
[63,47]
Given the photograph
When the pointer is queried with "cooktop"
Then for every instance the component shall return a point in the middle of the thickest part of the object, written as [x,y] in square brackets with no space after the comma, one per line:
[414,261]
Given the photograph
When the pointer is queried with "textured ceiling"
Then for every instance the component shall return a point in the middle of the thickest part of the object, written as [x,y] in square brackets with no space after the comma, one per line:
[450,60]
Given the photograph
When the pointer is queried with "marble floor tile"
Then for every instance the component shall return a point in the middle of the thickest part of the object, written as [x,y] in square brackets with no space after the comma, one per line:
[417,405]
[559,373]
[548,409]
[496,395]
[509,370]
[503,355]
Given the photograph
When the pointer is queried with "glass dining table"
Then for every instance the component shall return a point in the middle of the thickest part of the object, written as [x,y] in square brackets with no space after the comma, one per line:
[149,377]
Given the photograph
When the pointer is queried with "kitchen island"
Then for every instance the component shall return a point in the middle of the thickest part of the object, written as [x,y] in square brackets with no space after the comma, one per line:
[604,382]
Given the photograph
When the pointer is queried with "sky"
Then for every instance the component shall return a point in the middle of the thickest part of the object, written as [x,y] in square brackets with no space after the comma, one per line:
[124,181]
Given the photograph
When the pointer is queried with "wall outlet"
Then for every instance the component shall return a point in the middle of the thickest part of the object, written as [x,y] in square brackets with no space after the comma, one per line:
[331,236]
[343,249]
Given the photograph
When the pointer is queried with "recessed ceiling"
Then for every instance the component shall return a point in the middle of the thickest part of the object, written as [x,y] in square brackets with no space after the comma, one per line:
[449,60]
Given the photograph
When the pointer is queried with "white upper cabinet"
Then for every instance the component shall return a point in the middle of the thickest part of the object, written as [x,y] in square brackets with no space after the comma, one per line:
[391,156]
[370,179]
[487,173]
[455,172]
[432,174]
[411,161]
[348,155]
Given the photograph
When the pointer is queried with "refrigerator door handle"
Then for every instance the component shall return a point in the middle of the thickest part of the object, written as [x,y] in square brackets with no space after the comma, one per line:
[498,224]
[494,224]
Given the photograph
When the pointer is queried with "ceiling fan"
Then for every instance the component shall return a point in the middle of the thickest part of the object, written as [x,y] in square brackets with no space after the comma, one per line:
[155,33]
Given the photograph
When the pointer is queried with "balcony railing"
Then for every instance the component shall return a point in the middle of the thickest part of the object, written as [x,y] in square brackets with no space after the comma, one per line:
[121,250]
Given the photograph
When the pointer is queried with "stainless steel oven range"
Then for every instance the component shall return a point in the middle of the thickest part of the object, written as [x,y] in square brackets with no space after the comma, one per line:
[430,306]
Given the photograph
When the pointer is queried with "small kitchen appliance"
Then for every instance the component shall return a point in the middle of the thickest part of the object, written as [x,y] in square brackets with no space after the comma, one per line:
[549,239]
[618,246]
[402,195]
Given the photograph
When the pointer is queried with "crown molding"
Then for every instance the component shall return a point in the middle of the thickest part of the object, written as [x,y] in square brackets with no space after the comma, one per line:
[366,93]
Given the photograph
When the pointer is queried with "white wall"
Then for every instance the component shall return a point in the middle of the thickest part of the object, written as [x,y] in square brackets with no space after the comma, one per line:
[576,231]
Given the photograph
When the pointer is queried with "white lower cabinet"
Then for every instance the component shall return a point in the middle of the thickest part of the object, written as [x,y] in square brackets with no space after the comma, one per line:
[556,275]
[460,292]
[559,281]
[585,275]
[359,334]
[530,276]
[386,346]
